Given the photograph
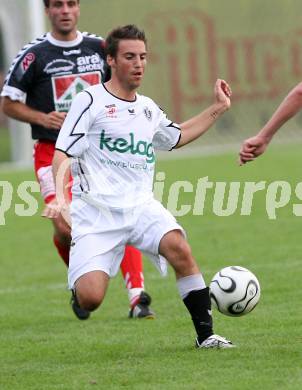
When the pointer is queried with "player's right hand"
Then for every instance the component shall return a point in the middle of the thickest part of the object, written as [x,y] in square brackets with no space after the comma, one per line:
[55,209]
[54,120]
[252,148]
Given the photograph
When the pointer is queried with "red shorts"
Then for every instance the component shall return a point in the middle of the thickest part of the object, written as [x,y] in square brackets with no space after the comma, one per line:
[43,154]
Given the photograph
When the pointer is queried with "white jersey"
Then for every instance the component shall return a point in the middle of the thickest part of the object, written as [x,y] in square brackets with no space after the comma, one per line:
[112,142]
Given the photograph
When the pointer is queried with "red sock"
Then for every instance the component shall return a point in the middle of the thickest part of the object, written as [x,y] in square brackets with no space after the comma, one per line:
[62,249]
[132,268]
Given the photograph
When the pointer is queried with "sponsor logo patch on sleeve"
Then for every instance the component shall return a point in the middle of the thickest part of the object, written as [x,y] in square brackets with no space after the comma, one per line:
[27,61]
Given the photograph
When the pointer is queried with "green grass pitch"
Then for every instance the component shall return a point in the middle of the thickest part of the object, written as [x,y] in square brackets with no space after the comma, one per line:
[43,346]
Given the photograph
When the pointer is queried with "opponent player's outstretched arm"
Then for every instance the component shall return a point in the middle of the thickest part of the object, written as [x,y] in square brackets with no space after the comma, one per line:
[199,124]
[22,112]
[290,106]
[255,146]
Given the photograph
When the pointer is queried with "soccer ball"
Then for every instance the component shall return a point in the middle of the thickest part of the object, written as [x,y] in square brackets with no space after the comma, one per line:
[234,291]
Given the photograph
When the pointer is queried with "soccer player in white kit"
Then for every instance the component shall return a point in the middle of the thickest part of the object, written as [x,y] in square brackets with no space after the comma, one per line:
[110,134]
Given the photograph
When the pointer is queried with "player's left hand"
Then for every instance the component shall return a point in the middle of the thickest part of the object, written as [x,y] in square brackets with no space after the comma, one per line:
[223,93]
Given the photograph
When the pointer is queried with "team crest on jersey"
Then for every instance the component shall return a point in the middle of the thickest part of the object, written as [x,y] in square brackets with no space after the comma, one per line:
[27,61]
[148,113]
[66,87]
[111,111]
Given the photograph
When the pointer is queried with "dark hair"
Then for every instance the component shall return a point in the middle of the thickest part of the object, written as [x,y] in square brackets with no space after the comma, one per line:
[46,3]
[129,31]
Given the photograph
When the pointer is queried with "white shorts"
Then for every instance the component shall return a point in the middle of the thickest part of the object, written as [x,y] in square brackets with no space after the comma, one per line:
[99,236]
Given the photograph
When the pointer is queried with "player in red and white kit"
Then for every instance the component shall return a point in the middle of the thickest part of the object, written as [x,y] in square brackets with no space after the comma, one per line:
[41,83]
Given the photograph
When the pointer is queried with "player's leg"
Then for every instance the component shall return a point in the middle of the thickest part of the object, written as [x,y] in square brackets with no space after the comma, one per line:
[90,289]
[62,241]
[132,270]
[192,288]
[43,155]
[190,281]
[62,238]
[94,256]
[159,235]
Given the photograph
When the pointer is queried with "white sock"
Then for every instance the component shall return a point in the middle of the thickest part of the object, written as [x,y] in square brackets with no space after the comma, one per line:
[133,294]
[190,283]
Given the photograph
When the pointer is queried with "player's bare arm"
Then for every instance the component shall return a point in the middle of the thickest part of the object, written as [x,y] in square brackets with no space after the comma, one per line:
[61,173]
[198,125]
[255,146]
[22,112]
